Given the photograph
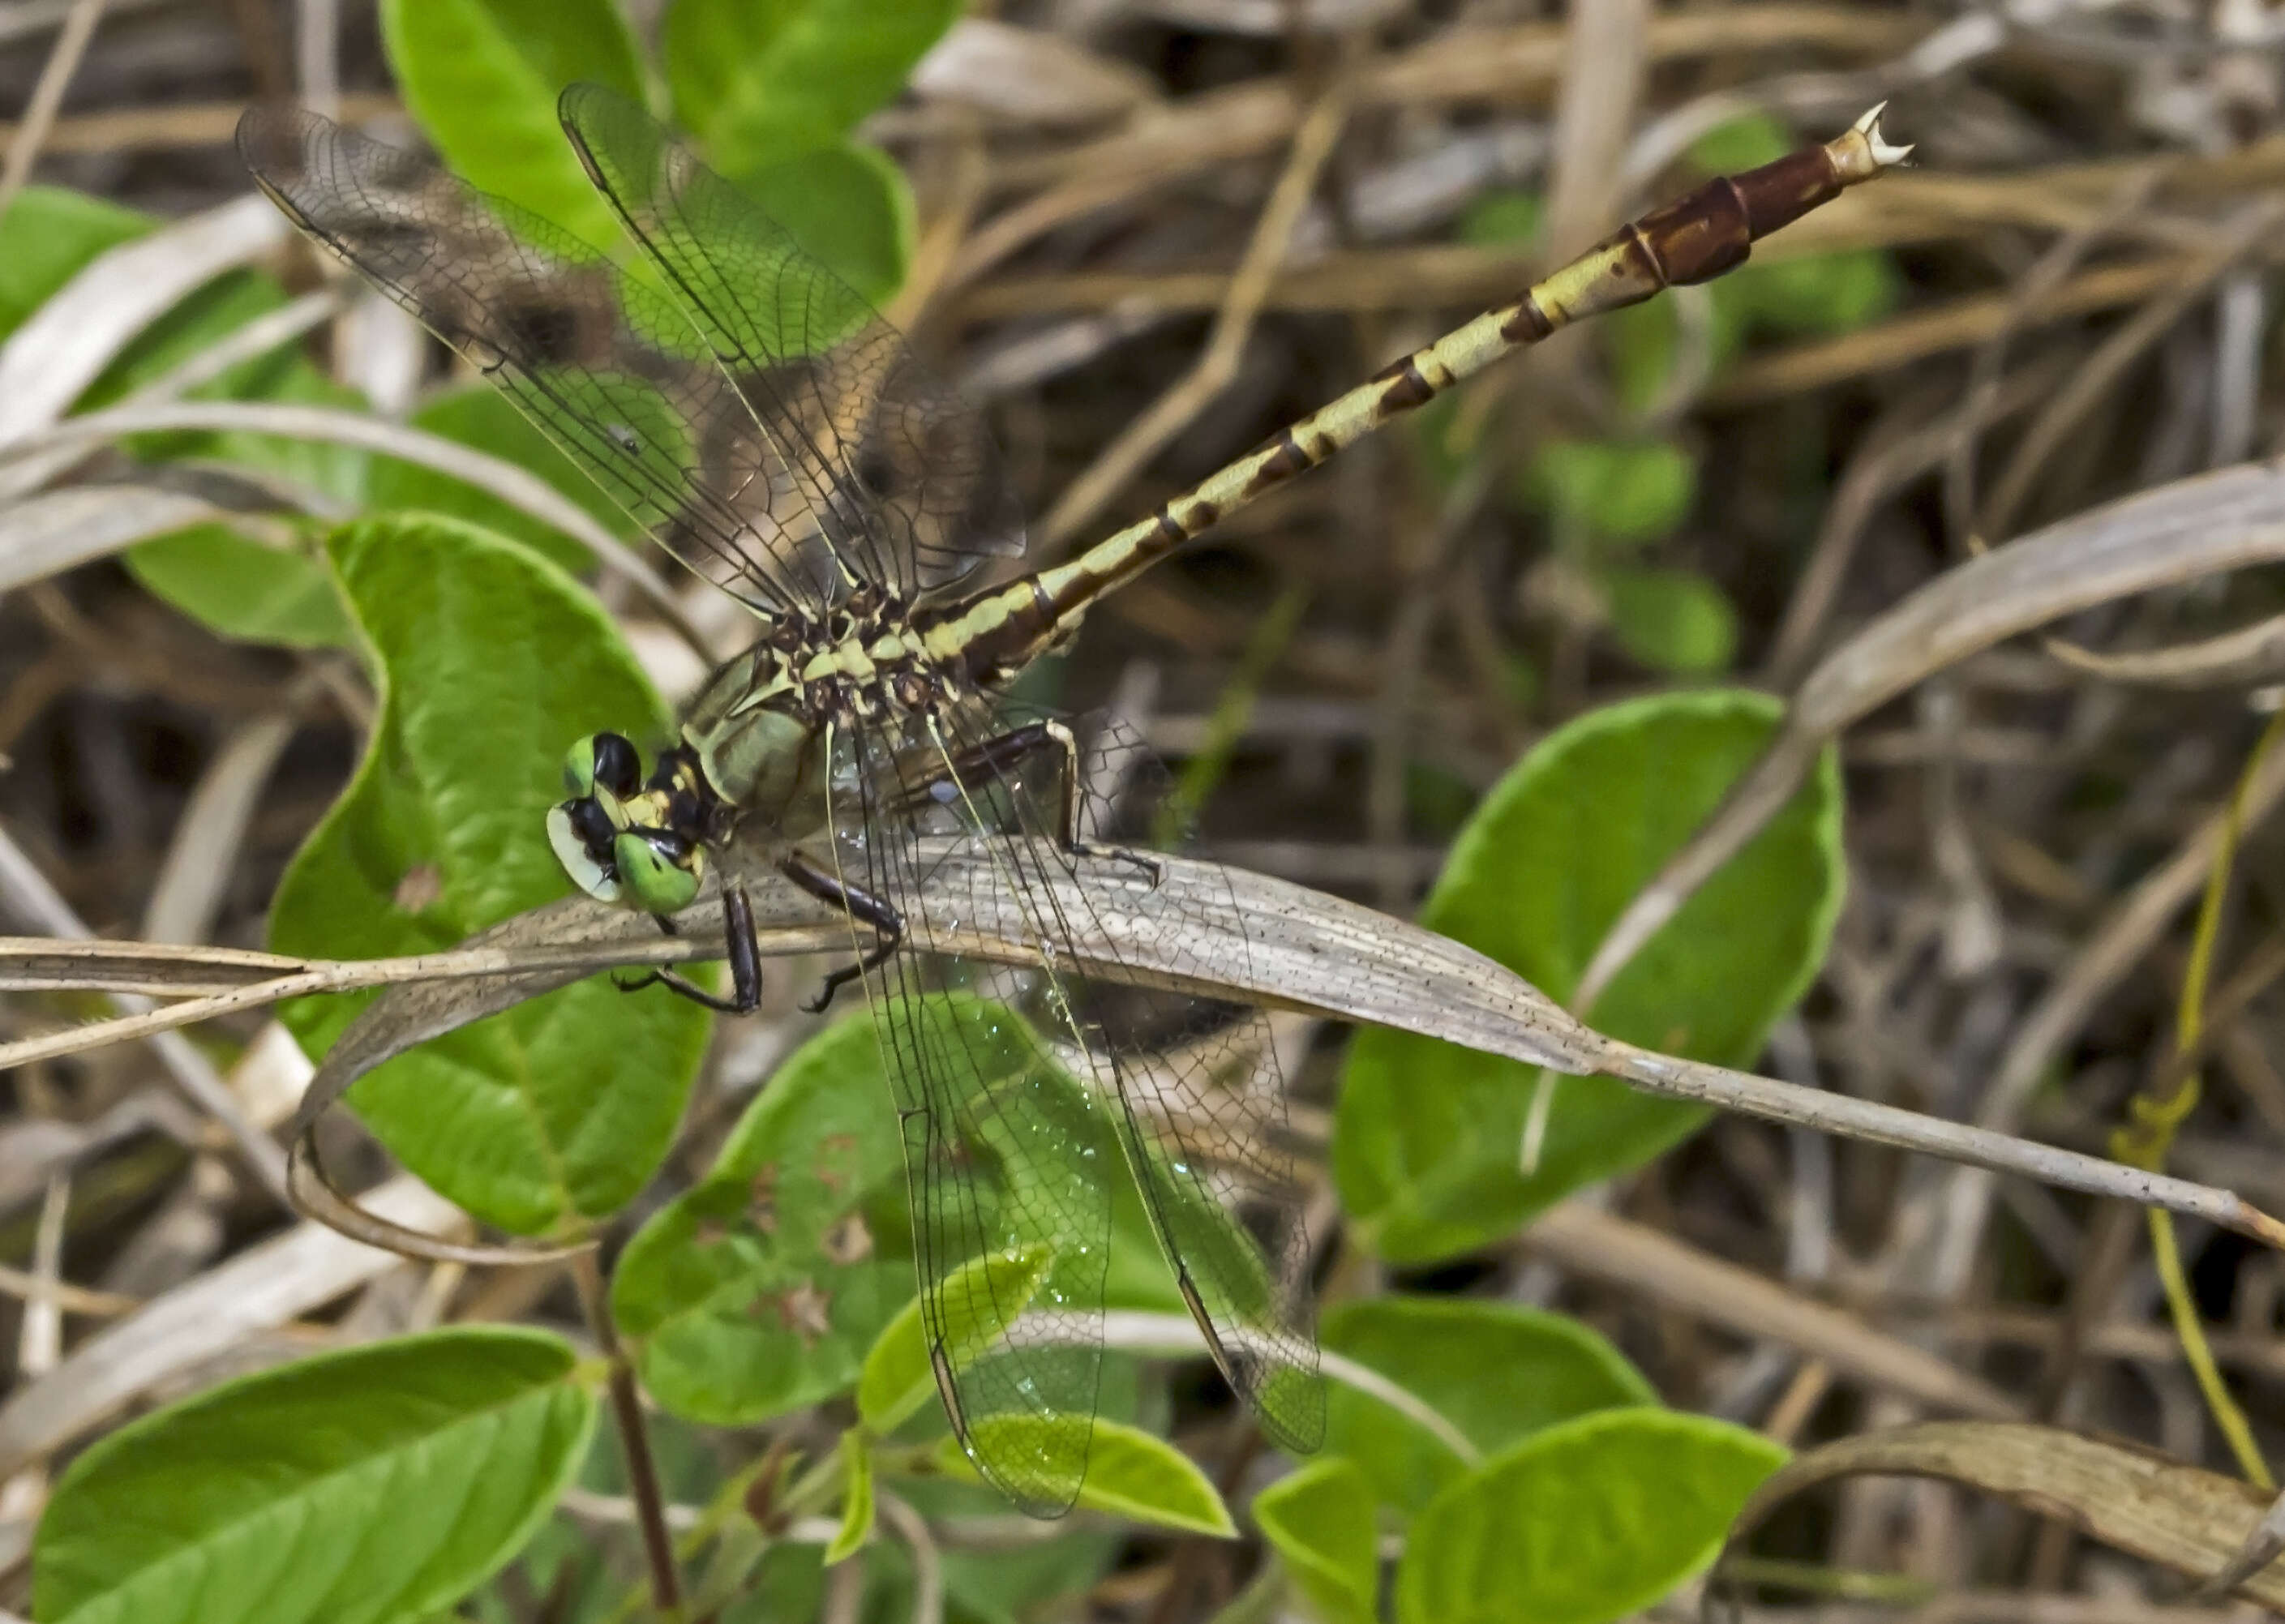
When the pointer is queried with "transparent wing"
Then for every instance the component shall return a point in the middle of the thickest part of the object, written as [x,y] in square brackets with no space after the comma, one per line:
[1201,1096]
[1004,1149]
[1182,1094]
[607,368]
[906,476]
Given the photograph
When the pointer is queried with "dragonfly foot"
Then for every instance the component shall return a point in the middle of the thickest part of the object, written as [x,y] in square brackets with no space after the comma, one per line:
[688,989]
[1151,866]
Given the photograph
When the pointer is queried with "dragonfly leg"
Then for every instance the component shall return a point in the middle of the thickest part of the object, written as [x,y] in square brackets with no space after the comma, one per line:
[1000,756]
[861,906]
[1067,773]
[739,946]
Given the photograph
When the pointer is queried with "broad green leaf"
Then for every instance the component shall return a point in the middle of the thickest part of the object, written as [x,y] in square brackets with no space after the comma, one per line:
[757,1291]
[238,586]
[759,81]
[1004,1584]
[849,207]
[51,235]
[1671,620]
[481,418]
[482,77]
[982,1299]
[1582,1523]
[210,313]
[1320,1521]
[1497,1372]
[244,588]
[490,662]
[1611,491]
[1130,1473]
[379,1483]
[1429,1136]
[1016,1584]
[856,1498]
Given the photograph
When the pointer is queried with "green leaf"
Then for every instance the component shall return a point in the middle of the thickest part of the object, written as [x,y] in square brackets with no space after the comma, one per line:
[482,77]
[52,235]
[1497,1372]
[856,1498]
[1819,293]
[483,419]
[759,81]
[1130,1473]
[757,1291]
[382,1482]
[850,209]
[1498,219]
[1612,489]
[1671,620]
[981,1299]
[1746,142]
[1321,1520]
[1261,1602]
[212,312]
[1429,1136]
[238,586]
[1582,1523]
[491,662]
[1007,1584]
[243,588]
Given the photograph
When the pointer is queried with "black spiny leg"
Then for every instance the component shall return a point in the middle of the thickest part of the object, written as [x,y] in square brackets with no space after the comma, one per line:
[739,946]
[861,906]
[1000,756]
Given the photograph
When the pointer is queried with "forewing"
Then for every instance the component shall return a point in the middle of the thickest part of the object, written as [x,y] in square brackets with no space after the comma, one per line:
[912,489]
[611,370]
[1004,1148]
[1190,1087]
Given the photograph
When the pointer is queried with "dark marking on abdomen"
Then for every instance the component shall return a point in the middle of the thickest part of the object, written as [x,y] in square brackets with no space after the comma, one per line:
[1526,324]
[1408,387]
[1285,459]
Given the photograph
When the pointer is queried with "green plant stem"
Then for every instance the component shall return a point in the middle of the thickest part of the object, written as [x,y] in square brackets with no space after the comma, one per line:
[634,1442]
[2156,1114]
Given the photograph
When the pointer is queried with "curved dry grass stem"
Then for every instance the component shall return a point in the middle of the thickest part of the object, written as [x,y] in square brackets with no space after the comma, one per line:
[2105,367]
[2243,658]
[518,487]
[2183,531]
[1252,937]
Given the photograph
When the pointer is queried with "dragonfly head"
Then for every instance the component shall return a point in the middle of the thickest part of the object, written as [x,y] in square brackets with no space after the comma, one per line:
[608,836]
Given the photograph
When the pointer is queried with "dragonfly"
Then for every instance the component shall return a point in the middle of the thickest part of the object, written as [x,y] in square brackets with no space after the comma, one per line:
[752,412]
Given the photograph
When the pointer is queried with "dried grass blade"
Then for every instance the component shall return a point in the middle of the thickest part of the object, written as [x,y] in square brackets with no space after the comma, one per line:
[2185,531]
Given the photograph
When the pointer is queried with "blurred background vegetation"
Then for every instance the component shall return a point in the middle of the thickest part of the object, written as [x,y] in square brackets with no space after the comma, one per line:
[1490,669]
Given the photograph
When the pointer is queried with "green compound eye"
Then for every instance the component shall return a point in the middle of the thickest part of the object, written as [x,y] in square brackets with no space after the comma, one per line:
[571,850]
[604,759]
[657,868]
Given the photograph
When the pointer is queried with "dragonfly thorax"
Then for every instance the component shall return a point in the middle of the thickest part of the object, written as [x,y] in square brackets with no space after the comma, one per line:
[863,661]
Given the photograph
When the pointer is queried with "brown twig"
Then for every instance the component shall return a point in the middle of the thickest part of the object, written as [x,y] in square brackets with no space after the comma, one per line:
[63,62]
[634,1439]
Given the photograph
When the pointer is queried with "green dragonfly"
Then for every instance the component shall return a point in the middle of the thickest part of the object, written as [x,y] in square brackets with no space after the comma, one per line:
[772,431]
